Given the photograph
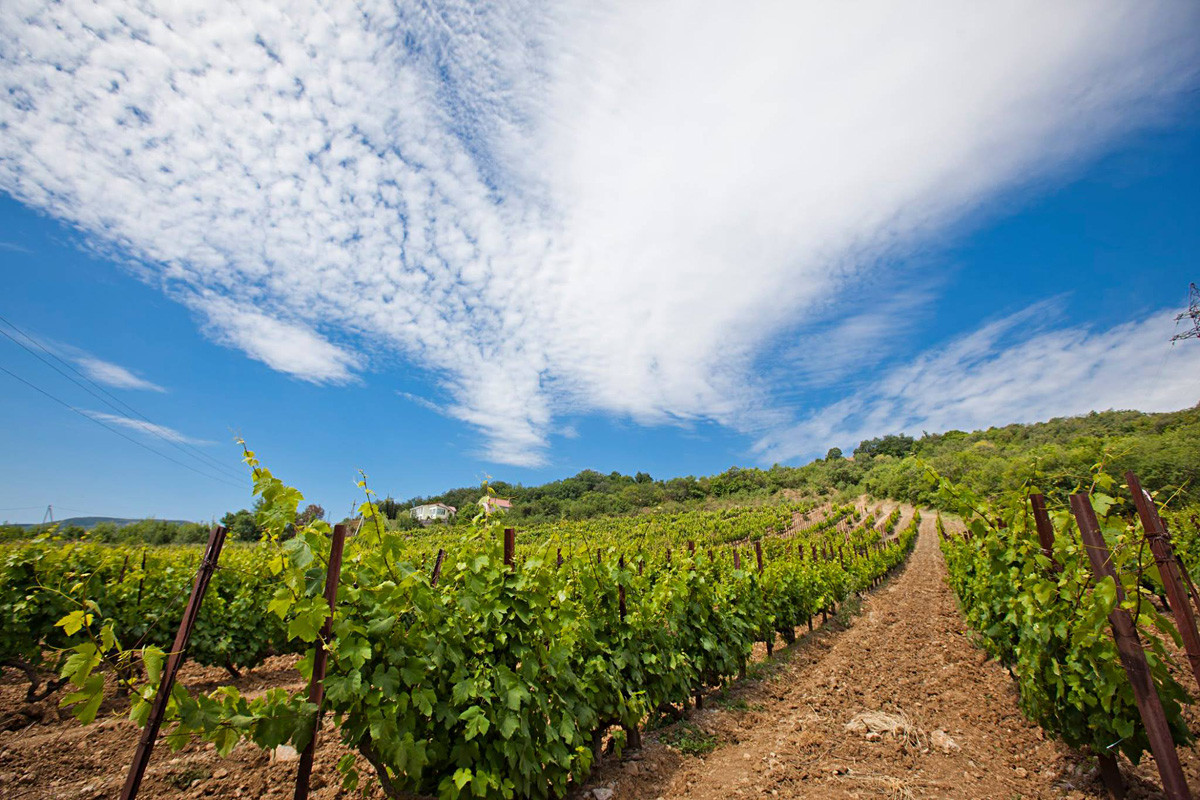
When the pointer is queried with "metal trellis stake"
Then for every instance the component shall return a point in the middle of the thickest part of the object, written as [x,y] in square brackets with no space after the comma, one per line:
[1045,529]
[1168,569]
[437,567]
[145,746]
[316,687]
[1133,658]
[510,547]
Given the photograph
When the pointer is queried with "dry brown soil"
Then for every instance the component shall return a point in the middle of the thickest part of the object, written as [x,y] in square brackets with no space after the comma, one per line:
[47,754]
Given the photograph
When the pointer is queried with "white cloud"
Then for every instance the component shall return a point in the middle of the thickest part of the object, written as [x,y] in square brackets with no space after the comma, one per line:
[282,345]
[556,208]
[114,375]
[424,403]
[1010,370]
[848,341]
[142,426]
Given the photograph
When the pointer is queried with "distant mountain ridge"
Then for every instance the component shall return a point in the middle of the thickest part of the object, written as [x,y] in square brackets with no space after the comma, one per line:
[91,522]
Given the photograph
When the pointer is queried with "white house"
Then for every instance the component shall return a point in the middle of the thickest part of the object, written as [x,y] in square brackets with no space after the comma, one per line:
[432,512]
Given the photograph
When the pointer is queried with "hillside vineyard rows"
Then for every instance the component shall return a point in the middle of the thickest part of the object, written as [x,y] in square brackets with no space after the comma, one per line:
[457,669]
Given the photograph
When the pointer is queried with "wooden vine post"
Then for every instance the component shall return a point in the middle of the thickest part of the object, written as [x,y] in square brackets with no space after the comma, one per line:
[141,579]
[145,746]
[621,588]
[758,557]
[1168,568]
[510,547]
[1045,529]
[1133,658]
[633,736]
[316,686]
[437,567]
[691,546]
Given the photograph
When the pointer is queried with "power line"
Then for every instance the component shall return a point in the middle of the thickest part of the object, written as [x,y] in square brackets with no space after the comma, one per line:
[209,461]
[111,429]
[128,409]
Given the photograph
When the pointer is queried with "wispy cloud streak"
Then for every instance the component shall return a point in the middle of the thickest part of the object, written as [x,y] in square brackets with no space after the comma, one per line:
[148,428]
[1011,370]
[114,375]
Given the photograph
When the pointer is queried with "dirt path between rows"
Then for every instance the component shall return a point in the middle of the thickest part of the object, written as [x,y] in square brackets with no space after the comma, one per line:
[908,655]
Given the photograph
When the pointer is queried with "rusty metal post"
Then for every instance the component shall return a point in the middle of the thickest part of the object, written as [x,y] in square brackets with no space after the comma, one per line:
[316,686]
[437,567]
[141,578]
[620,588]
[1110,773]
[1133,658]
[1045,529]
[1160,545]
[633,737]
[737,559]
[758,555]
[510,547]
[145,746]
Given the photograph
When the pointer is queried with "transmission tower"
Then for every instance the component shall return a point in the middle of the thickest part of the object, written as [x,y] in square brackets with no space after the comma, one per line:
[1193,314]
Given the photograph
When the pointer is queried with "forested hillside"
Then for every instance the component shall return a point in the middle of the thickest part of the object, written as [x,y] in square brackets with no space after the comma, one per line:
[1164,449]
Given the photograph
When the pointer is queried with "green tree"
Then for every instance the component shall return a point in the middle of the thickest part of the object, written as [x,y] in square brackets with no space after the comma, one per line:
[242,525]
[309,515]
[896,444]
[389,507]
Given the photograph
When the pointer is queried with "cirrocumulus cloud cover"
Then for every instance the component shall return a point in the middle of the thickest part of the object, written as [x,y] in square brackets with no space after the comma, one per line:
[578,208]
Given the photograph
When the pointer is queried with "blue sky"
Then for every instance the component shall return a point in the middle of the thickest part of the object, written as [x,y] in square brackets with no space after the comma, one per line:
[439,244]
